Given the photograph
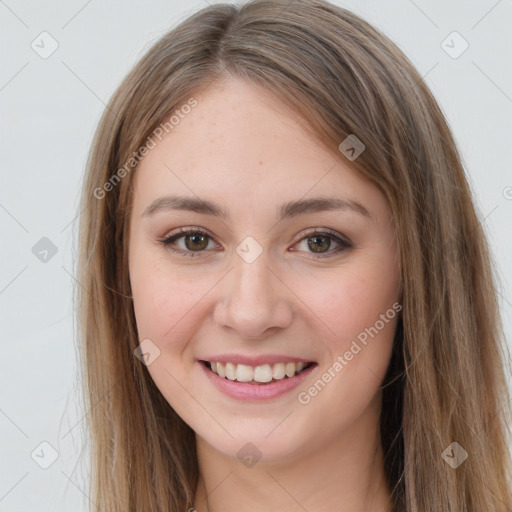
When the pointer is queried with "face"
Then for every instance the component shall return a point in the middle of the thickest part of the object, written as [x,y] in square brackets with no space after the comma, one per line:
[253,246]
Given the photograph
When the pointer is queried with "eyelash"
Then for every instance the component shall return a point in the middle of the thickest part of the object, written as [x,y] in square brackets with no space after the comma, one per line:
[343,244]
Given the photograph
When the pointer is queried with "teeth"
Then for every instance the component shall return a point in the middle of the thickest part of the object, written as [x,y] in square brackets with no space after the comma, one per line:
[263,373]
[278,371]
[230,371]
[244,373]
[289,369]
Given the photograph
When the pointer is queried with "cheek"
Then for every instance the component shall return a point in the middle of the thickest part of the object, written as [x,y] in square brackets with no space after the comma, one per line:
[349,301]
[162,307]
[355,313]
[161,301]
[358,311]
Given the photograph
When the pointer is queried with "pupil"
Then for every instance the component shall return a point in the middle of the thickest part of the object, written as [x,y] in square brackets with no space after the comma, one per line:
[196,238]
[318,243]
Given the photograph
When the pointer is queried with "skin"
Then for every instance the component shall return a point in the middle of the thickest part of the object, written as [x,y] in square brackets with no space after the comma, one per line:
[247,152]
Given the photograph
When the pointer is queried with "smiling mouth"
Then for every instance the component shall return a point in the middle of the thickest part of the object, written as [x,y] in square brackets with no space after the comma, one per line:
[257,375]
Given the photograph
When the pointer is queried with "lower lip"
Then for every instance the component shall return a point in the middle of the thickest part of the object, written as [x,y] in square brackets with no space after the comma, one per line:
[256,392]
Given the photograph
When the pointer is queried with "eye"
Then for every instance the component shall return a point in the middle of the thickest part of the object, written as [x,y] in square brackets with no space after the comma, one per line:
[194,241]
[320,242]
[188,241]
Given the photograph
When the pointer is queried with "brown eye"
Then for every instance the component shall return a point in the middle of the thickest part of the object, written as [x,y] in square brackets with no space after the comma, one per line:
[322,244]
[189,242]
[319,243]
[196,242]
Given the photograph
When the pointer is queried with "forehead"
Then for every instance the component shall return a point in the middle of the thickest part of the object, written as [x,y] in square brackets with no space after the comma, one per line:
[244,148]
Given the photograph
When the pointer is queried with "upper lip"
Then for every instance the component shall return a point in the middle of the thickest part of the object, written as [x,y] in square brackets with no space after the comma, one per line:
[255,360]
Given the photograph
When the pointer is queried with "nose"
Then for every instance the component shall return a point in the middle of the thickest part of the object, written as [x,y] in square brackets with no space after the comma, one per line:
[254,301]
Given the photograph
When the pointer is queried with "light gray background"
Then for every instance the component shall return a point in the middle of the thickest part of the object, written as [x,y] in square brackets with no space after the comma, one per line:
[49,110]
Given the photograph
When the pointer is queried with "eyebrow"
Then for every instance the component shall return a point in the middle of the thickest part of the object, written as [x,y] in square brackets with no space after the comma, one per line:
[290,209]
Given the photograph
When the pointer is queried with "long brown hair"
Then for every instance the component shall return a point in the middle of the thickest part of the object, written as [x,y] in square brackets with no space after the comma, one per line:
[446,380]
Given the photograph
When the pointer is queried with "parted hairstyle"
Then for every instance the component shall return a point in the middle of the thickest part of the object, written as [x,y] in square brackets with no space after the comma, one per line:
[446,378]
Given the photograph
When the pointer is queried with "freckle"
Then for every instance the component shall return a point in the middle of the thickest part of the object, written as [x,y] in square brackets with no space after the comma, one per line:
[261,163]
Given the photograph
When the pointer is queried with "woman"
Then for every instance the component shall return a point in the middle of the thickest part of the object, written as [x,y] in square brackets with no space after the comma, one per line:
[287,295]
